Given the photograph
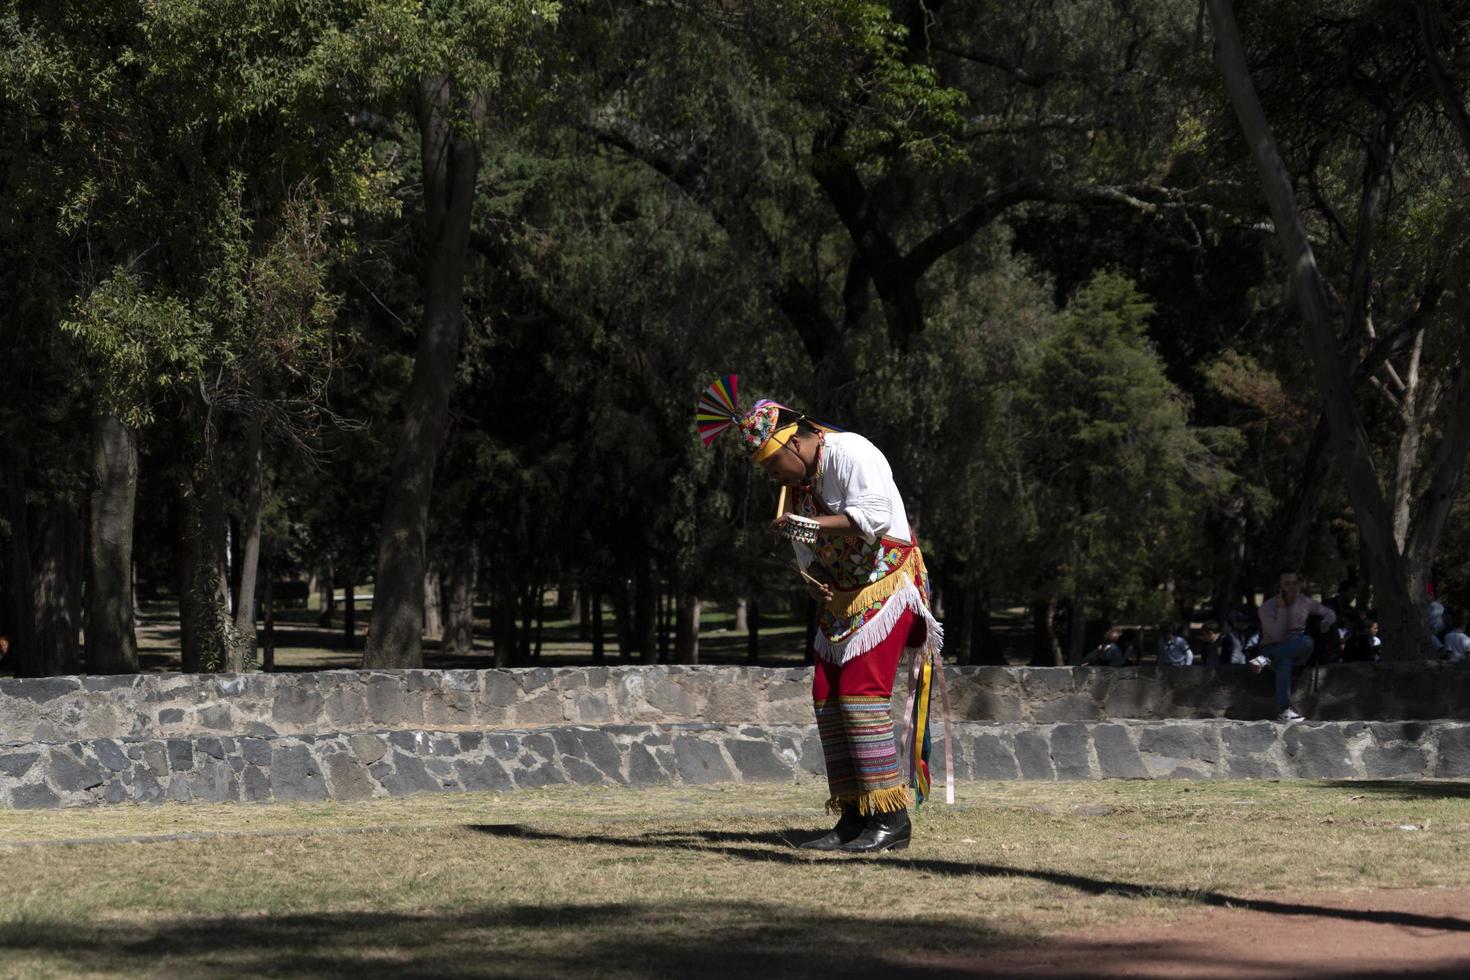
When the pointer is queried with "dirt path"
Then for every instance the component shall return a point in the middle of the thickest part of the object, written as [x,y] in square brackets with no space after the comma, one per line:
[1421,933]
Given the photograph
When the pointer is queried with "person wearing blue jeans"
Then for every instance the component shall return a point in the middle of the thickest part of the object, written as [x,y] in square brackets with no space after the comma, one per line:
[1284,643]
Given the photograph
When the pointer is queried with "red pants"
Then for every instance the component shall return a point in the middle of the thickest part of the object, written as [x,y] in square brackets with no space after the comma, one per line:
[855,723]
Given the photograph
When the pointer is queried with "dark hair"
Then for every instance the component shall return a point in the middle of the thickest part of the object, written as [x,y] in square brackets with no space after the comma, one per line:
[1210,626]
[1288,569]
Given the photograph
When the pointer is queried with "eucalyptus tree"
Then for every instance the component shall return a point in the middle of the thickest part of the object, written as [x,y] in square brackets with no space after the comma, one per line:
[1400,253]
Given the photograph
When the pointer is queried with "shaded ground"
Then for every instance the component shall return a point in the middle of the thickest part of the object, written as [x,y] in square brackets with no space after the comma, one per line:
[1081,879]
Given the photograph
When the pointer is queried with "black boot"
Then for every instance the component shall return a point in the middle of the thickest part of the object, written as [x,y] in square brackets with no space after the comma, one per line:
[849,825]
[884,832]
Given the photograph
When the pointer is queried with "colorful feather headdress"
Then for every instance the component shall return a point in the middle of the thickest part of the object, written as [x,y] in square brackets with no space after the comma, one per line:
[719,409]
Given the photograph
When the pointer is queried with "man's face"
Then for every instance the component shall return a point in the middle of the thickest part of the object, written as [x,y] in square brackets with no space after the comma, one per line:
[785,465]
[1290,585]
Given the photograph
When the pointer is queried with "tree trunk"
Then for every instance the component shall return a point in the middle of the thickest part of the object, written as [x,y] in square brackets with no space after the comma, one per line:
[665,618]
[204,620]
[985,650]
[433,602]
[451,163]
[112,644]
[268,659]
[459,600]
[349,614]
[1077,628]
[322,583]
[645,608]
[623,619]
[540,621]
[503,621]
[753,634]
[1045,650]
[24,649]
[599,651]
[686,629]
[242,654]
[962,615]
[1408,449]
[1401,614]
[57,571]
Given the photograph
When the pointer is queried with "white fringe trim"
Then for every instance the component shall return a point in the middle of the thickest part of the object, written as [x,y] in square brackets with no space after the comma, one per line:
[876,630]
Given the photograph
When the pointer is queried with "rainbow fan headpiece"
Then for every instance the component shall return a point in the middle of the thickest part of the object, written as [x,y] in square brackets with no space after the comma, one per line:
[765,428]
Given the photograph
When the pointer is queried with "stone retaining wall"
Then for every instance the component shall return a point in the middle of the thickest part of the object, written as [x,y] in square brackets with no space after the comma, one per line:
[353,766]
[66,709]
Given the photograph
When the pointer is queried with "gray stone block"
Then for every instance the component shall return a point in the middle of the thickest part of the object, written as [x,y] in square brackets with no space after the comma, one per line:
[216,716]
[698,761]
[347,777]
[582,772]
[18,763]
[180,754]
[537,774]
[407,775]
[115,792]
[256,785]
[1034,755]
[37,796]
[1194,743]
[1069,751]
[1454,753]
[214,782]
[42,689]
[171,716]
[146,788]
[485,774]
[178,790]
[110,755]
[756,761]
[210,746]
[385,700]
[1116,756]
[598,749]
[994,759]
[297,702]
[367,748]
[1398,760]
[1318,751]
[501,690]
[643,768]
[295,775]
[257,751]
[503,746]
[71,775]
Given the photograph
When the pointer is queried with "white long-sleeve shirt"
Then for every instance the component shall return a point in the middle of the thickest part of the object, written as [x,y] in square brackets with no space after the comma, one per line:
[857,481]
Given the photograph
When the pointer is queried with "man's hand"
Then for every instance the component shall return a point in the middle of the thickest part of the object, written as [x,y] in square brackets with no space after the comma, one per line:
[815,587]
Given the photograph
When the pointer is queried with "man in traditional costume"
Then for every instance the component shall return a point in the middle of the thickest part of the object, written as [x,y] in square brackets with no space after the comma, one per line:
[861,561]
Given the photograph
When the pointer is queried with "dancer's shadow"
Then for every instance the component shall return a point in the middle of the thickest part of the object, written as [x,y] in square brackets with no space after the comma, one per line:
[776,849]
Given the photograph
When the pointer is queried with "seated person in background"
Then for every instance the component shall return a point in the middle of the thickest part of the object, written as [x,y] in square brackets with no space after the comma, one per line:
[1132,651]
[1173,649]
[1284,641]
[1209,635]
[1456,642]
[1436,622]
[1107,654]
[1362,646]
[1234,641]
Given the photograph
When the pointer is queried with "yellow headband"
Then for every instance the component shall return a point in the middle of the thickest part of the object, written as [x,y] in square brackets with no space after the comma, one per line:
[777,439]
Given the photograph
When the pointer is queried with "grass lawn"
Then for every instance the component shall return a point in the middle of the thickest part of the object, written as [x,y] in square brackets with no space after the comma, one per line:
[678,882]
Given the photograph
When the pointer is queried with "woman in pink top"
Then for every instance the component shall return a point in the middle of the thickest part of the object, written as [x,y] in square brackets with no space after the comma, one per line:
[1284,643]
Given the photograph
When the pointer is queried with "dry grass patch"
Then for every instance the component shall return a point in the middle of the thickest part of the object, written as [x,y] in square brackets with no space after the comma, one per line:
[678,881]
